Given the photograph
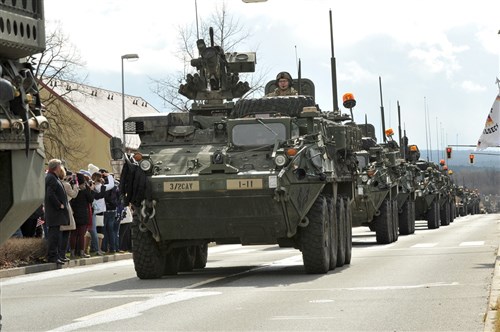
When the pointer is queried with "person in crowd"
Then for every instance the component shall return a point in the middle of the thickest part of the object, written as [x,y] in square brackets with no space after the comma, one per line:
[125,236]
[99,203]
[118,217]
[56,210]
[284,86]
[32,225]
[80,205]
[68,179]
[111,200]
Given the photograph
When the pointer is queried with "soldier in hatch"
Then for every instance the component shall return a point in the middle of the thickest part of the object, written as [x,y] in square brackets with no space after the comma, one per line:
[284,86]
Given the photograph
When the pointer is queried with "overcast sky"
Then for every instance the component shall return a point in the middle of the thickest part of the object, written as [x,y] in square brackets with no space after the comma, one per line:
[441,55]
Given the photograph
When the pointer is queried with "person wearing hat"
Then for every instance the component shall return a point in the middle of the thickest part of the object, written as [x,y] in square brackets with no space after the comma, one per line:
[284,86]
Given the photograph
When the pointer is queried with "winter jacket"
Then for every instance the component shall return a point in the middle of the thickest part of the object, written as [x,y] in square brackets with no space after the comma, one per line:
[55,197]
[80,205]
[99,194]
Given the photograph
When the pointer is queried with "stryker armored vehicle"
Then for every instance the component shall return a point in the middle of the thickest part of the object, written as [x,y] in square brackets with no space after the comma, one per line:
[375,204]
[468,201]
[427,205]
[446,195]
[261,171]
[22,34]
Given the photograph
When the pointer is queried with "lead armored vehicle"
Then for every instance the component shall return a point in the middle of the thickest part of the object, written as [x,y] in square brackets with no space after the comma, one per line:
[258,171]
[22,33]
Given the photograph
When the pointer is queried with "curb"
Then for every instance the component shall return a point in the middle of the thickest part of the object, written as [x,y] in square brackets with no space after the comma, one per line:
[17,271]
[491,313]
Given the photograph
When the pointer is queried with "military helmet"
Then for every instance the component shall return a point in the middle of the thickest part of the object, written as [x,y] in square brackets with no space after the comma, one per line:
[286,76]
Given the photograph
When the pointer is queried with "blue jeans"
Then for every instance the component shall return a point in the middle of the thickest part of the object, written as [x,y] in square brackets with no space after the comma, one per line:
[109,243]
[94,244]
[116,234]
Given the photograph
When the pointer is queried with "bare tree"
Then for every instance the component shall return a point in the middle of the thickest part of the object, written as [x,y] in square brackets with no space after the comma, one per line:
[60,61]
[229,33]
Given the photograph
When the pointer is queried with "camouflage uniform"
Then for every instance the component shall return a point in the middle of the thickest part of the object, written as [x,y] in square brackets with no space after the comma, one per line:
[278,92]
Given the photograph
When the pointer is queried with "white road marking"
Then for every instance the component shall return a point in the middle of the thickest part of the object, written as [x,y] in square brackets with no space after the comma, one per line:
[300,318]
[472,243]
[238,251]
[424,245]
[321,301]
[132,309]
[378,288]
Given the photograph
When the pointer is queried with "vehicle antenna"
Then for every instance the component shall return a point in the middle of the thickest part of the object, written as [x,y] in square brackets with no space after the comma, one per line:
[426,135]
[196,13]
[366,125]
[334,70]
[382,109]
[401,147]
[299,89]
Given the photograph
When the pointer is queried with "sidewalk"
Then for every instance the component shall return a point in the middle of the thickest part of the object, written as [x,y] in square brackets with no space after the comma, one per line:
[17,271]
[491,313]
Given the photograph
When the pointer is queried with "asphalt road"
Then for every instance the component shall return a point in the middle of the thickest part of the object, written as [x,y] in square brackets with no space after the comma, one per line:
[434,280]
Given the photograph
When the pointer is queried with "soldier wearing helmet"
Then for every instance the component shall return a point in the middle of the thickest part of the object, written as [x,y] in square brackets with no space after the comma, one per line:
[284,86]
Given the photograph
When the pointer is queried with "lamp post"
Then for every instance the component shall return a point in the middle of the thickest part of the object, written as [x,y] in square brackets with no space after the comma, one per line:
[126,56]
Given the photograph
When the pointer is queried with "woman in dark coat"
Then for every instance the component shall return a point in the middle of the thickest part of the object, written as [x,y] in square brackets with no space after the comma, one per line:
[80,205]
[56,210]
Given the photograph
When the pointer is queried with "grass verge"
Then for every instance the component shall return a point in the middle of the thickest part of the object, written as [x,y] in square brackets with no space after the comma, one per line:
[497,318]
[22,252]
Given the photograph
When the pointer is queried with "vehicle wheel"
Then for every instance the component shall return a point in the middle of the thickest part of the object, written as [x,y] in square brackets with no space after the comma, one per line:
[383,223]
[444,213]
[433,216]
[348,225]
[334,234]
[453,212]
[315,238]
[413,217]
[395,220]
[289,105]
[407,218]
[342,229]
[187,257]
[149,261]
[201,256]
[372,227]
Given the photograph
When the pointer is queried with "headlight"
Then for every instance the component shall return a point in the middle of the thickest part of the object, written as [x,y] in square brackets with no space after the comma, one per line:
[280,160]
[364,178]
[145,165]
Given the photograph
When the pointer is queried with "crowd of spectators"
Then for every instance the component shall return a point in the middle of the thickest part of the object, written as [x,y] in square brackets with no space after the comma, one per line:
[97,223]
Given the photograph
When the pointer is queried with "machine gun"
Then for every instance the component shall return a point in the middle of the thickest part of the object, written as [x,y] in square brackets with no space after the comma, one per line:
[217,77]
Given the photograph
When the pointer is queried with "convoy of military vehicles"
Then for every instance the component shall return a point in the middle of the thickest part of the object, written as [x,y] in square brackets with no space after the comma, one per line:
[271,170]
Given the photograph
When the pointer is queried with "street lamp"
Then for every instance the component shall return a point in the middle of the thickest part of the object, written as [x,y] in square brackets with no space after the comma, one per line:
[126,56]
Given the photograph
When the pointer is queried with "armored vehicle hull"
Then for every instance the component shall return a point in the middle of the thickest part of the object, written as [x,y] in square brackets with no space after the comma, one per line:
[21,120]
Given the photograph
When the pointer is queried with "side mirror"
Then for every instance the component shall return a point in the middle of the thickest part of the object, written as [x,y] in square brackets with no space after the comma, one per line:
[115,146]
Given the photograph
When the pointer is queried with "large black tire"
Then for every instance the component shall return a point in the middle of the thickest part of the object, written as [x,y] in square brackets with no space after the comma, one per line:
[315,239]
[149,262]
[453,211]
[334,234]
[201,256]
[395,220]
[383,223]
[445,214]
[432,216]
[341,224]
[348,225]
[187,257]
[287,105]
[407,218]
